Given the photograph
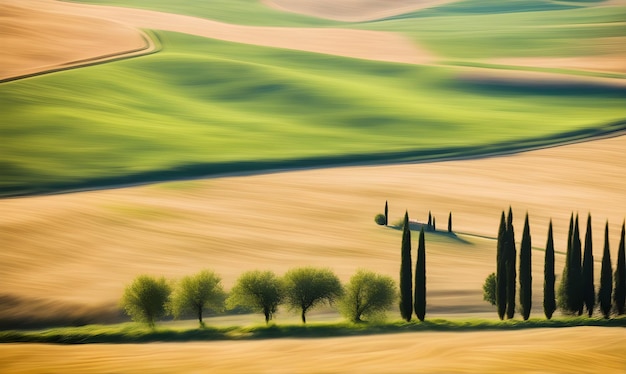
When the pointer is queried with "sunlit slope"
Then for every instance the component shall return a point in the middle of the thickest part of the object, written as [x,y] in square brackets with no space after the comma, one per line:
[202,102]
[477,29]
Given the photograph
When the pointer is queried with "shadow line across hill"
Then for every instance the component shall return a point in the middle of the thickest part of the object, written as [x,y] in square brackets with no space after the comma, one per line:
[255,167]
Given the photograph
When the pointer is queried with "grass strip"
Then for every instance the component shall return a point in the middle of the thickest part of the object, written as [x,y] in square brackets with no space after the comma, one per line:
[133,333]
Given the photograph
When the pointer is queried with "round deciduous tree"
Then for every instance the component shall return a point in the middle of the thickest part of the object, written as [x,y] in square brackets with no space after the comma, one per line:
[258,290]
[367,295]
[197,293]
[308,287]
[144,300]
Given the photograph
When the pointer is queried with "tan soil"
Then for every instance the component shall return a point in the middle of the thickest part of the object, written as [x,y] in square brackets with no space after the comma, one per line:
[84,247]
[79,32]
[525,351]
[65,42]
[35,40]
[353,10]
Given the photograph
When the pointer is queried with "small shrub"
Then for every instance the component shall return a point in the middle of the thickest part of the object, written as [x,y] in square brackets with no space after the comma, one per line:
[489,289]
[380,219]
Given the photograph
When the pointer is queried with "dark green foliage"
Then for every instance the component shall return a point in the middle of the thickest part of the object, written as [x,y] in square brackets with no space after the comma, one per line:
[525,271]
[549,302]
[450,222]
[571,288]
[406,275]
[511,271]
[308,287]
[564,286]
[197,293]
[576,273]
[620,276]
[145,299]
[367,295]
[420,278]
[380,219]
[434,224]
[386,213]
[258,290]
[489,289]
[430,220]
[606,278]
[589,291]
[501,268]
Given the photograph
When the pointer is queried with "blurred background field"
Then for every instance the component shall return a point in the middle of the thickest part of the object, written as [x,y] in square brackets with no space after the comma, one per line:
[205,101]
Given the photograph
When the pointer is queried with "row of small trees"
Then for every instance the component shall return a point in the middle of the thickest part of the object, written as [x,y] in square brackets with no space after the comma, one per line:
[383,219]
[367,294]
[576,290]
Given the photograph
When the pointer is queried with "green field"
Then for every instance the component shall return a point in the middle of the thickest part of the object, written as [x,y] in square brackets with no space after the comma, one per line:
[454,32]
[201,106]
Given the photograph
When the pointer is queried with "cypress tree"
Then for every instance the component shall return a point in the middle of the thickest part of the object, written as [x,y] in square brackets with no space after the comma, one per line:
[430,220]
[511,272]
[406,278]
[620,276]
[589,291]
[572,287]
[576,275]
[549,302]
[434,224]
[525,271]
[565,285]
[606,277]
[501,268]
[386,213]
[450,222]
[420,278]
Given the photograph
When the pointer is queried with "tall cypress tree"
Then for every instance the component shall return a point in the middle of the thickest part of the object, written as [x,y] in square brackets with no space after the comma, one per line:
[386,213]
[572,290]
[606,277]
[501,268]
[576,274]
[565,286]
[430,220]
[420,278]
[434,224]
[589,291]
[525,271]
[450,222]
[406,276]
[511,271]
[549,302]
[620,276]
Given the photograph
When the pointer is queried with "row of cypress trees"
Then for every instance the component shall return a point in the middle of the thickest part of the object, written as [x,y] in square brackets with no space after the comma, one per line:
[408,298]
[576,291]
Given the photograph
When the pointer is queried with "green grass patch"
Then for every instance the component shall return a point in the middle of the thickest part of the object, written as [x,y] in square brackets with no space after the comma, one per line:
[203,107]
[134,333]
[468,30]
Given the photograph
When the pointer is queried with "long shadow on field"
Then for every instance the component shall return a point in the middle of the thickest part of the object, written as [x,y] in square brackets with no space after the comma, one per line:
[220,169]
